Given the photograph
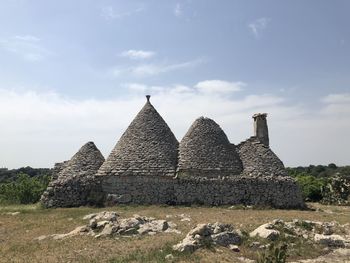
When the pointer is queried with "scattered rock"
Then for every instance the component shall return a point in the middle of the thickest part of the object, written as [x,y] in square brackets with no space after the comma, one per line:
[209,234]
[266,231]
[13,213]
[234,248]
[169,257]
[330,240]
[108,224]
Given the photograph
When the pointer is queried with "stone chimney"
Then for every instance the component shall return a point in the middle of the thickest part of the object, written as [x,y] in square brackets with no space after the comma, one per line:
[260,128]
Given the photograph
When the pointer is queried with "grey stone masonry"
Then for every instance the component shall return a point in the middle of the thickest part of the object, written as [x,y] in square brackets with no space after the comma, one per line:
[76,180]
[58,168]
[149,166]
[271,191]
[259,160]
[261,130]
[148,147]
[205,151]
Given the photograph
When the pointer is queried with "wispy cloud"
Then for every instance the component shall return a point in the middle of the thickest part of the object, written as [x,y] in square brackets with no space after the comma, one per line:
[178,11]
[219,86]
[110,13]
[137,54]
[144,70]
[213,88]
[258,26]
[337,105]
[27,46]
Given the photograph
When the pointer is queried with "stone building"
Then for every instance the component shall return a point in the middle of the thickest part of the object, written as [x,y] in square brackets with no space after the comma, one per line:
[149,166]
[73,180]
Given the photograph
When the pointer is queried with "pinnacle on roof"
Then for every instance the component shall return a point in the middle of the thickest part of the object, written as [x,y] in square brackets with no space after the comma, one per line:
[206,151]
[148,147]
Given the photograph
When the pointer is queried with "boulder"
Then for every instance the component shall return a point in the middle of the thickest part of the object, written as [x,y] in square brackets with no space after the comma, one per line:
[226,238]
[265,231]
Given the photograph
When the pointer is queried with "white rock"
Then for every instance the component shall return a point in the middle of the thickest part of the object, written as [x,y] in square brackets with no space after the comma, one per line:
[265,231]
[234,248]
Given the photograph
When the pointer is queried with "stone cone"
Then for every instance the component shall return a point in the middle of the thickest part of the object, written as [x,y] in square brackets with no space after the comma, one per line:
[147,148]
[259,160]
[205,151]
[75,182]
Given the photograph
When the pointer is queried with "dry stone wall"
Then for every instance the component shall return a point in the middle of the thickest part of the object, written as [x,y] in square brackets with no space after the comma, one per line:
[76,181]
[205,151]
[148,147]
[276,192]
[259,160]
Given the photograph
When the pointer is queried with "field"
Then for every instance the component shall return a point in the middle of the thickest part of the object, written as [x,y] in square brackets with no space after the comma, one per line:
[19,231]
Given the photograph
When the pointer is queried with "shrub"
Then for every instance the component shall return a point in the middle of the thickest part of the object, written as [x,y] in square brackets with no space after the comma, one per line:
[24,190]
[274,254]
[311,187]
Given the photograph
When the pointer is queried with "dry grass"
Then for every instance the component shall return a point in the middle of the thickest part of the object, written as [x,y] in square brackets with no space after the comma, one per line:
[17,233]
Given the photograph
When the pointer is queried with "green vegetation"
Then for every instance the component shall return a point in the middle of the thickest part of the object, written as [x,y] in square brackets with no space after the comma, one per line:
[7,175]
[311,187]
[274,254]
[321,183]
[156,255]
[23,190]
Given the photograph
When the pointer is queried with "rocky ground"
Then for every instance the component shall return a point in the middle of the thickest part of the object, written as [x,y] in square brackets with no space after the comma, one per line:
[173,234]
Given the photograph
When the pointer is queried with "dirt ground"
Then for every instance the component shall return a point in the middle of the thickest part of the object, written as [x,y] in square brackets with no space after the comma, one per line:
[19,231]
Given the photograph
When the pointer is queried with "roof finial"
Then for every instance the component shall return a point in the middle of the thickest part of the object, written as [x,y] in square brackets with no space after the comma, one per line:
[148,97]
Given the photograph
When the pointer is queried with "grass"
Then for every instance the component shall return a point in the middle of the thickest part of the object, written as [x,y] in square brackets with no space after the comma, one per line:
[17,233]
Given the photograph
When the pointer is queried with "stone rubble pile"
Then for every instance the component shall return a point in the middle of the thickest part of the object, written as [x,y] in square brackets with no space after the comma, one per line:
[330,234]
[109,224]
[204,235]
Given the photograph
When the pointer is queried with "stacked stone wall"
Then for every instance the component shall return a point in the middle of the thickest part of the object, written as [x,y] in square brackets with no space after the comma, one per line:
[74,180]
[279,192]
[148,147]
[205,151]
[259,160]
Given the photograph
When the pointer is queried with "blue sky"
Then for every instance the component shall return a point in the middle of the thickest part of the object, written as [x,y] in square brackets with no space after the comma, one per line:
[73,71]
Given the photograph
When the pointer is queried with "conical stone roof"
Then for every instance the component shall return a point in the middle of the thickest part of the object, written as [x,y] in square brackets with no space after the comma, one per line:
[206,151]
[75,180]
[147,148]
[259,160]
[85,162]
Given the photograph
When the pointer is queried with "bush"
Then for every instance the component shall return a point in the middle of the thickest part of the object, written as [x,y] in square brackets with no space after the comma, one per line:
[311,187]
[274,254]
[337,191]
[24,190]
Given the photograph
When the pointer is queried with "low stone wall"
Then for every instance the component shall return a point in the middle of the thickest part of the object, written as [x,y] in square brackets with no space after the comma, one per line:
[276,191]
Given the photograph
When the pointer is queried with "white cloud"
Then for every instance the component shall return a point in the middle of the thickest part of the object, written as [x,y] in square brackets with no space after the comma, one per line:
[206,87]
[43,128]
[109,13]
[144,70]
[343,98]
[137,54]
[259,25]
[178,10]
[337,105]
[219,86]
[28,47]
